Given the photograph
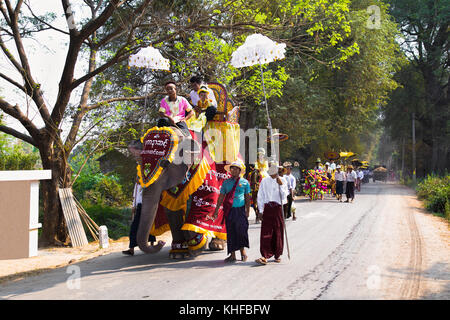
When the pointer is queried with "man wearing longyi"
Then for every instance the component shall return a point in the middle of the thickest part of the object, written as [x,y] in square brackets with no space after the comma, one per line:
[272,195]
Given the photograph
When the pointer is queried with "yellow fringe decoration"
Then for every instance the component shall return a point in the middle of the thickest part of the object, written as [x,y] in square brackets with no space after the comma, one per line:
[169,158]
[180,203]
[161,230]
[212,234]
[201,244]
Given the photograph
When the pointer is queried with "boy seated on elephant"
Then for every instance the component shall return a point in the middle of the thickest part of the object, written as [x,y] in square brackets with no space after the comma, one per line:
[174,110]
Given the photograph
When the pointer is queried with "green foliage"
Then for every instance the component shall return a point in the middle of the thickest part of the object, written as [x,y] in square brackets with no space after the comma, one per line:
[435,191]
[100,189]
[17,156]
[116,219]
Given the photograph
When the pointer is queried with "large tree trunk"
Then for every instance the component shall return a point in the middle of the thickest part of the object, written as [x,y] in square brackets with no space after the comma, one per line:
[54,230]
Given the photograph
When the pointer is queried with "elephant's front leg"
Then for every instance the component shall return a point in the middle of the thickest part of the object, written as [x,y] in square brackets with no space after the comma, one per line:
[179,241]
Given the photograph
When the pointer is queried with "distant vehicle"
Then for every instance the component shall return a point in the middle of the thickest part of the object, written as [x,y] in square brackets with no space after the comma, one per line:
[380,174]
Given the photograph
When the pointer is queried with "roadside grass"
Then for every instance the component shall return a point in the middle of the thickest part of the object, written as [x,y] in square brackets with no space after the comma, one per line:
[435,192]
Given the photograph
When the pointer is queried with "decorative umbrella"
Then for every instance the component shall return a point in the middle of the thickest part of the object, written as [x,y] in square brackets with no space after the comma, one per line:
[149,58]
[259,49]
[356,162]
[347,154]
[332,155]
[278,136]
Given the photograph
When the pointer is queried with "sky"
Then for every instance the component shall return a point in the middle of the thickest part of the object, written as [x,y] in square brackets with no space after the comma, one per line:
[46,53]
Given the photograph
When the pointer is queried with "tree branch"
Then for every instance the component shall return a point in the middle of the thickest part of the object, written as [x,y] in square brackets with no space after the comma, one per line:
[18,135]
[17,114]
[18,85]
[107,101]
[93,25]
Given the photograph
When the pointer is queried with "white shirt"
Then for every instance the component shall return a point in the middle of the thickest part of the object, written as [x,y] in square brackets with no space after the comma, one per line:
[333,166]
[195,97]
[351,177]
[291,181]
[269,190]
[339,176]
[137,195]
[360,174]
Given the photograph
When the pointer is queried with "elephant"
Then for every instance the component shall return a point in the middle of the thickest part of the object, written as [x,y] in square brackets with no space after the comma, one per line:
[172,175]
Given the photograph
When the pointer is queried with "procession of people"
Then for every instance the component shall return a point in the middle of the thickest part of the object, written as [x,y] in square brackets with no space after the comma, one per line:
[267,187]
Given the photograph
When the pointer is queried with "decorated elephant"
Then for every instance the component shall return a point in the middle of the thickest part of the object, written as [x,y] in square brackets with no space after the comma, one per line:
[181,179]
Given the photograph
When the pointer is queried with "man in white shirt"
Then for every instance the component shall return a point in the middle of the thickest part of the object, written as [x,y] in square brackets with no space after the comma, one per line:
[333,165]
[137,208]
[360,175]
[351,177]
[272,195]
[291,183]
[339,177]
[196,82]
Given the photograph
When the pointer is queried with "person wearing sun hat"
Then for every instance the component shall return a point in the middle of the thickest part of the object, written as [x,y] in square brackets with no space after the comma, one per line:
[235,196]
[318,166]
[291,184]
[339,176]
[350,185]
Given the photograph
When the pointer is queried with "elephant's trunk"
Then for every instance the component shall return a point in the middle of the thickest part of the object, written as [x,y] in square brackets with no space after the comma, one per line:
[150,201]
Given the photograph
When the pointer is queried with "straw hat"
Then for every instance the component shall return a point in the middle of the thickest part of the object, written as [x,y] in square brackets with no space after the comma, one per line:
[261,151]
[236,163]
[287,164]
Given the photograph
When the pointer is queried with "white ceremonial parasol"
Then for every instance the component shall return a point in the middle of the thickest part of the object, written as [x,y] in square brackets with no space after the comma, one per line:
[259,49]
[149,58]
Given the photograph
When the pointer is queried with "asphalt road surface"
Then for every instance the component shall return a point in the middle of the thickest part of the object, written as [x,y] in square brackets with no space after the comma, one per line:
[379,247]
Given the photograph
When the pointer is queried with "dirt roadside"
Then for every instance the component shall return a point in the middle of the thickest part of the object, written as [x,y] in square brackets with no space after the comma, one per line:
[59,257]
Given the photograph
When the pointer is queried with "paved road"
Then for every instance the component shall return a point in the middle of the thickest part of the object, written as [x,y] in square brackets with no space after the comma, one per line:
[379,247]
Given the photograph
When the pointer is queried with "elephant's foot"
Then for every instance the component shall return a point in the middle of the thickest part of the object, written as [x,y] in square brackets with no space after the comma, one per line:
[179,250]
[217,244]
[197,243]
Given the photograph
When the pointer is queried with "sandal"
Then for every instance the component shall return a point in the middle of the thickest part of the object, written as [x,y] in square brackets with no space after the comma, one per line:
[230,259]
[278,260]
[244,258]
[262,261]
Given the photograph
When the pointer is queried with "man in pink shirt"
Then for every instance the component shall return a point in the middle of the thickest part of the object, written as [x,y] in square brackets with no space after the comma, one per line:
[174,110]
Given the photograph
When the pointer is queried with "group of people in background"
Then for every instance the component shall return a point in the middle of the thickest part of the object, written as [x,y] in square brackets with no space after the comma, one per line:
[334,180]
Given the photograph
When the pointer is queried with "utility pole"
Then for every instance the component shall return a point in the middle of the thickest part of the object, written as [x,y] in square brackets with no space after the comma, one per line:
[403,157]
[414,147]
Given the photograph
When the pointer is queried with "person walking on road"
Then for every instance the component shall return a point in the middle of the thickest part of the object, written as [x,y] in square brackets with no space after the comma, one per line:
[339,176]
[272,195]
[291,184]
[350,186]
[235,196]
[360,176]
[137,208]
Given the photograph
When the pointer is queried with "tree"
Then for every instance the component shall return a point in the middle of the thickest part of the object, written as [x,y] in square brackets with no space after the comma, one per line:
[115,21]
[332,108]
[425,27]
